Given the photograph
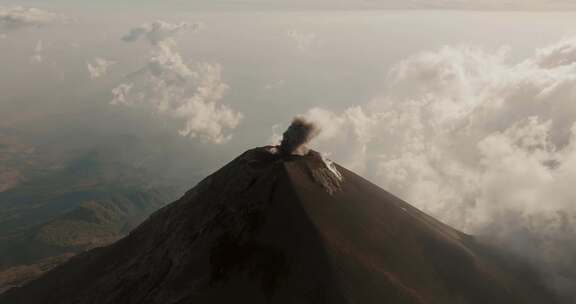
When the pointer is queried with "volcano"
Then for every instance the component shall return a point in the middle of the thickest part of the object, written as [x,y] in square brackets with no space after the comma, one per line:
[276,228]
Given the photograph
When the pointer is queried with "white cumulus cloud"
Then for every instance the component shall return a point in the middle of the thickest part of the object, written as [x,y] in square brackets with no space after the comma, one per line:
[99,67]
[38,55]
[189,94]
[303,41]
[120,94]
[159,31]
[483,143]
[13,18]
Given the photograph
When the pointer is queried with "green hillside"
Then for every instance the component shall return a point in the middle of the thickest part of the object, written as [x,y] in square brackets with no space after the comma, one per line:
[86,203]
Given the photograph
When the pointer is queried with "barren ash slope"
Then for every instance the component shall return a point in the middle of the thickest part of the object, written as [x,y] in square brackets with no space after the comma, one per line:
[275,227]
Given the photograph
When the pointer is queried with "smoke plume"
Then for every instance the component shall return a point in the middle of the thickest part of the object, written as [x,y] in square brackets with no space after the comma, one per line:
[295,138]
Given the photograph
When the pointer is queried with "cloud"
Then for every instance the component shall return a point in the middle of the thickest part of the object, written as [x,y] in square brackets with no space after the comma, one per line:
[557,55]
[120,94]
[14,18]
[159,31]
[484,144]
[204,117]
[303,41]
[188,94]
[38,56]
[389,4]
[99,67]
[497,4]
[353,129]
[275,85]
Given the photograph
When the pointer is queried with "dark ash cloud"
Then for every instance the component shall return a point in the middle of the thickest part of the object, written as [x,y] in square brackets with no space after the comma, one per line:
[296,137]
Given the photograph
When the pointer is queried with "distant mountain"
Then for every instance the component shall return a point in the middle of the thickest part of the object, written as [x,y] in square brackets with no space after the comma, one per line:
[268,228]
[54,213]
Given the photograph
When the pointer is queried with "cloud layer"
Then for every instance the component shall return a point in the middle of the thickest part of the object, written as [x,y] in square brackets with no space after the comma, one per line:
[303,41]
[188,94]
[387,4]
[159,32]
[14,18]
[99,67]
[38,55]
[486,145]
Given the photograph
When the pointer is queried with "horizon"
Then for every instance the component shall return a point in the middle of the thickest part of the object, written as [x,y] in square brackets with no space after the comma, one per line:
[242,5]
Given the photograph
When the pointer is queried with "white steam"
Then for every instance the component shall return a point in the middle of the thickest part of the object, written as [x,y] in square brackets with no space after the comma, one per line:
[487,145]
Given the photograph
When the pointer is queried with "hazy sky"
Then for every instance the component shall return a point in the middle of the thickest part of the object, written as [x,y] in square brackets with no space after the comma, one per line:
[320,4]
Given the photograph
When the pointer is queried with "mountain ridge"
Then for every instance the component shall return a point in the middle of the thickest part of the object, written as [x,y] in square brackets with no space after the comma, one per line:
[267,228]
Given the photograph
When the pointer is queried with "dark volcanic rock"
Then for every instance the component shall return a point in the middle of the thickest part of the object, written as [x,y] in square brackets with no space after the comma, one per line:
[268,229]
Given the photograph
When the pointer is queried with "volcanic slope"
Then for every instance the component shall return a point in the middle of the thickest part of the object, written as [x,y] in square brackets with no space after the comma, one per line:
[273,229]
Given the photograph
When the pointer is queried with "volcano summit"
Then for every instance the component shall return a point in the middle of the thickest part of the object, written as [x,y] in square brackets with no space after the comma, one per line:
[275,227]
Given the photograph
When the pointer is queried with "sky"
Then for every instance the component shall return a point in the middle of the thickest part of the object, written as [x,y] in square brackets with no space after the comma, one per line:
[467,114]
[320,4]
